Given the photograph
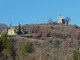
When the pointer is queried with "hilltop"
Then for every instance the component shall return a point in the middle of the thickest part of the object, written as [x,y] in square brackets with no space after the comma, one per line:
[53,41]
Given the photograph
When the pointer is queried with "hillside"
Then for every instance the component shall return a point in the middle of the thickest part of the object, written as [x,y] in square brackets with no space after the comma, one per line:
[50,41]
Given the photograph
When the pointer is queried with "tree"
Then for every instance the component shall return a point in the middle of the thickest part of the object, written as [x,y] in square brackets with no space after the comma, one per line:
[76,56]
[10,24]
[3,25]
[22,29]
[50,21]
[68,19]
[11,50]
[4,39]
[31,28]
[27,47]
[19,28]
[5,44]
[1,47]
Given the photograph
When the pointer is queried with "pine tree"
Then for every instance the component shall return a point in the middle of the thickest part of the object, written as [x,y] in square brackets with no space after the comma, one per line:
[28,47]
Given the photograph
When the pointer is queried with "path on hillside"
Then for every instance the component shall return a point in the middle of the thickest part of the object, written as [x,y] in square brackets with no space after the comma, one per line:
[23,37]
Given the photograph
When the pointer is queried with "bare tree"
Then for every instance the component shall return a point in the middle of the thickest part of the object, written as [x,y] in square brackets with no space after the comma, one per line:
[31,28]
[3,25]
[68,19]
[10,24]
[50,21]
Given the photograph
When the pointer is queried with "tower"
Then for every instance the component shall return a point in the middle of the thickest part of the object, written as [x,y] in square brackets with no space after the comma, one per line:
[60,18]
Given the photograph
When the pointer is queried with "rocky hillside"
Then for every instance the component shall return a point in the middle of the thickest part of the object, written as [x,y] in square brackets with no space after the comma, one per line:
[50,41]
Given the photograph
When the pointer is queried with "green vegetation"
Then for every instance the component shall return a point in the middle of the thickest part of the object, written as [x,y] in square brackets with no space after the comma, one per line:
[10,49]
[28,47]
[49,40]
[43,38]
[22,29]
[76,56]
[55,43]
[77,44]
[77,37]
[60,36]
[14,30]
[45,58]
[15,26]
[19,29]
[5,44]
[1,47]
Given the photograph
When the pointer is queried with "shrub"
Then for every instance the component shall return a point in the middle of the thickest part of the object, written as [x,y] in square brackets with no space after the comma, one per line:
[76,56]
[37,35]
[27,47]
[75,25]
[32,32]
[43,38]
[45,58]
[55,43]
[22,29]
[35,43]
[60,36]
[50,40]
[77,37]
[64,39]
[77,44]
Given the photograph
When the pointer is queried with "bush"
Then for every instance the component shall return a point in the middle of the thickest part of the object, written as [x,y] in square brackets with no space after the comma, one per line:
[77,37]
[32,32]
[55,43]
[45,58]
[35,43]
[76,56]
[27,47]
[75,25]
[43,38]
[37,35]
[50,40]
[60,36]
[22,29]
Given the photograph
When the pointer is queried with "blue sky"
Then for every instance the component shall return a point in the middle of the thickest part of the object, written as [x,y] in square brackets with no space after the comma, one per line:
[38,11]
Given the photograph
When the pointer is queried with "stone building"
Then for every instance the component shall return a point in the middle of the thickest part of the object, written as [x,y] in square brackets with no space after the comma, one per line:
[64,21]
[11,32]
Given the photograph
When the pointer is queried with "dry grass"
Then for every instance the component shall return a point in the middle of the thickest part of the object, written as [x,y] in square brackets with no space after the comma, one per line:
[44,50]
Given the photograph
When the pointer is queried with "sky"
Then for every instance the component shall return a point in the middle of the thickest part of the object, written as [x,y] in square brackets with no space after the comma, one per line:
[38,11]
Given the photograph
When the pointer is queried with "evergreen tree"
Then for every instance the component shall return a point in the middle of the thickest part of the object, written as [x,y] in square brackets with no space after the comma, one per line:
[5,44]
[76,56]
[27,47]
[11,50]
[19,28]
[1,47]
